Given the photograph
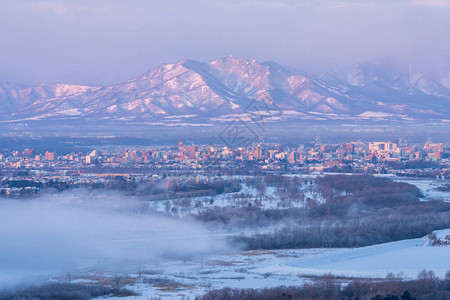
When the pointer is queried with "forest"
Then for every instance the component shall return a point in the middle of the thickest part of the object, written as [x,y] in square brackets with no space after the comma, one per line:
[356,211]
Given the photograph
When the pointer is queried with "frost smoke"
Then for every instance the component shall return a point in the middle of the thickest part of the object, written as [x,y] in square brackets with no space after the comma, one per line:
[48,236]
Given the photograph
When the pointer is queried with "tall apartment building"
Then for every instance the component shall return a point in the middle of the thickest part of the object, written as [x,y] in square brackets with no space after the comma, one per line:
[382,146]
[49,155]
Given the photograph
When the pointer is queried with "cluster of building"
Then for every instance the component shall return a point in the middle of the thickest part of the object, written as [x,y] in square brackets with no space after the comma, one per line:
[145,163]
[312,155]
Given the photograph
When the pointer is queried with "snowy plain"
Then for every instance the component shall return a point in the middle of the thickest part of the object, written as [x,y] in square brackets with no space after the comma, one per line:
[271,268]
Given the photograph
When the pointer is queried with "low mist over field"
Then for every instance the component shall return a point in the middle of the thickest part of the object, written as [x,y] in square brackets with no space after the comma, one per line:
[46,236]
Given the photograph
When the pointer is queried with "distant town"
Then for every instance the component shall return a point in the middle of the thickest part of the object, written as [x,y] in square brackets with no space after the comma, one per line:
[26,172]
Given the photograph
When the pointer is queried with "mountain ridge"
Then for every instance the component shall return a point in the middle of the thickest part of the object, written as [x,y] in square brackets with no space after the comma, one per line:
[226,86]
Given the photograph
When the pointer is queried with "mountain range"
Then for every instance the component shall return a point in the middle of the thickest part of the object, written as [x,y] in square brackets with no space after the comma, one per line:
[206,92]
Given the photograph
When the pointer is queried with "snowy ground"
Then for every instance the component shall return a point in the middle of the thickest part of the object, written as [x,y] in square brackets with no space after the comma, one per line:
[176,279]
[271,200]
[429,187]
[407,256]
[260,268]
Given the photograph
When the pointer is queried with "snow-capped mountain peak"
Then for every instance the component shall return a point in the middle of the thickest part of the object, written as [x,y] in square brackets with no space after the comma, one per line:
[227,85]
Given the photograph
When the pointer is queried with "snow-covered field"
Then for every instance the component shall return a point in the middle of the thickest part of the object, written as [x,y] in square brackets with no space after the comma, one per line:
[407,256]
[173,279]
[429,187]
[270,268]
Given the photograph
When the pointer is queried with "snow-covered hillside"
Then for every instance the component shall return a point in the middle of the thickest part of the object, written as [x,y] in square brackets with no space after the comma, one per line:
[226,87]
[407,256]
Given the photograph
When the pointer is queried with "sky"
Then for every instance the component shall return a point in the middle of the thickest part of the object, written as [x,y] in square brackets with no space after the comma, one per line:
[101,42]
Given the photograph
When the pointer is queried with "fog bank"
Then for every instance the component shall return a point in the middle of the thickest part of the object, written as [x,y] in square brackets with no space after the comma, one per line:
[48,236]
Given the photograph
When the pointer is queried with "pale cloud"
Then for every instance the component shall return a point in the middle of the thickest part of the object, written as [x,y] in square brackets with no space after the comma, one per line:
[106,41]
[64,9]
[432,3]
[267,4]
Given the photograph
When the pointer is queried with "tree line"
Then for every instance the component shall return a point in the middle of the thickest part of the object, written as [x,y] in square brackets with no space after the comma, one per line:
[427,286]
